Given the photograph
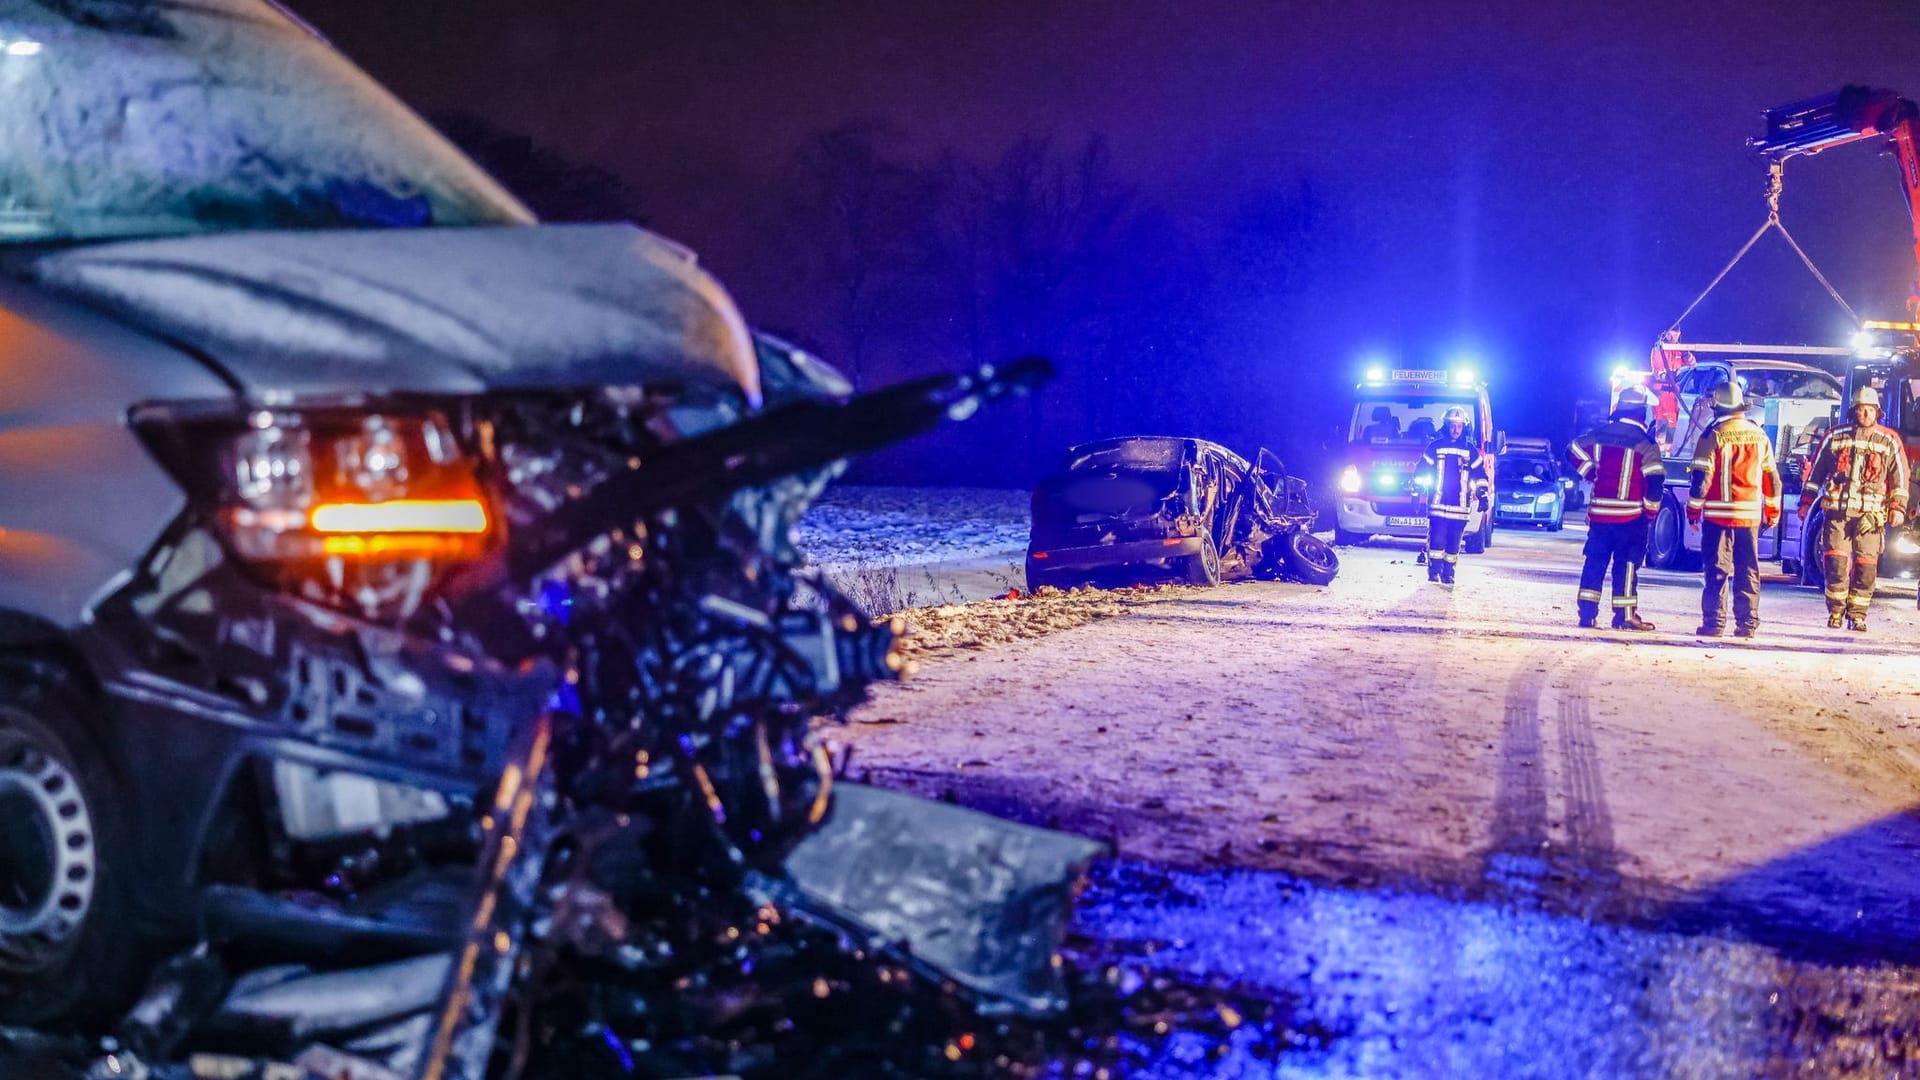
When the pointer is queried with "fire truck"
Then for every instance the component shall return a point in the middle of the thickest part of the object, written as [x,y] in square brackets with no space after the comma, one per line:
[1396,413]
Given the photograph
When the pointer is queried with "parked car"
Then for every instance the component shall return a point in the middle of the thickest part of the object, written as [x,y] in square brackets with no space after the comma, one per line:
[1533,488]
[1124,509]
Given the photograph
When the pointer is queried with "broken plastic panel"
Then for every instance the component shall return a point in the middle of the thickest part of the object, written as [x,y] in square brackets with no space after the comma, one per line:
[983,900]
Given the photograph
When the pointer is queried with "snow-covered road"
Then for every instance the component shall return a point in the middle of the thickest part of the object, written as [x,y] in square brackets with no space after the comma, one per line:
[1716,836]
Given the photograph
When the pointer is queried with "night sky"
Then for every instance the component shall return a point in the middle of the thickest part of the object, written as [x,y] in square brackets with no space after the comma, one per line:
[1287,188]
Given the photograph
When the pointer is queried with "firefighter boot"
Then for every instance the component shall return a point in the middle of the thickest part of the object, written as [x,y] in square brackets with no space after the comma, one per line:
[1857,623]
[1446,573]
[1629,619]
[1833,620]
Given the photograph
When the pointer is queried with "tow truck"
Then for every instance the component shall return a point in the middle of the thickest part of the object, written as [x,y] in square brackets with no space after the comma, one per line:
[1849,115]
[1396,413]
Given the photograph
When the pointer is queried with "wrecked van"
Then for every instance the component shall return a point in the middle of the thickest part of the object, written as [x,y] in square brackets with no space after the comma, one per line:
[396,605]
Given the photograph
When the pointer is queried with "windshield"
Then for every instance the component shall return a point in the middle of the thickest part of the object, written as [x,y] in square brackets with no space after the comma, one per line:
[1525,470]
[1403,422]
[150,118]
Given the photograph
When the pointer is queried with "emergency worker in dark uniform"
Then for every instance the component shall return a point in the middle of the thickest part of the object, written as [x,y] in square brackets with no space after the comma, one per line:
[1455,475]
[1860,477]
[1622,460]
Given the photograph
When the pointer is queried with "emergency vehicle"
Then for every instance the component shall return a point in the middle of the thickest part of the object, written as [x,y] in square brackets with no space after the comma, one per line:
[1790,400]
[1396,413]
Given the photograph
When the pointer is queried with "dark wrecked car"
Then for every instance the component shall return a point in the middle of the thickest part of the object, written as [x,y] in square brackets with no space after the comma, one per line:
[1122,509]
[398,627]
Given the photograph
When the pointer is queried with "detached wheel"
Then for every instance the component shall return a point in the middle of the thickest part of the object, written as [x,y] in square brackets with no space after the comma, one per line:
[1204,568]
[1311,559]
[67,955]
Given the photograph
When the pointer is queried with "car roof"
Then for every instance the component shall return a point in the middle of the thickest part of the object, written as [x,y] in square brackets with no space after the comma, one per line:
[1187,443]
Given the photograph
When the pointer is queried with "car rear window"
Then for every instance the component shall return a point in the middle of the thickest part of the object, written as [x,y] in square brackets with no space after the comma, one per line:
[1134,455]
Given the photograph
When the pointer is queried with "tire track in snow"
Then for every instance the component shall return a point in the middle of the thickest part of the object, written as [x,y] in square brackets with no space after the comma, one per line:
[1521,855]
[1515,860]
[1590,850]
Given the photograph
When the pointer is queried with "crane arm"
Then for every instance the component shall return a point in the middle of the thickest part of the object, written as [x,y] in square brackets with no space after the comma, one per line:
[1846,116]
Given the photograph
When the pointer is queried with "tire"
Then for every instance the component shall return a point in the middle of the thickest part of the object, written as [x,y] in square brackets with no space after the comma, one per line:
[1813,563]
[68,952]
[1311,559]
[1349,539]
[1666,541]
[1204,568]
[1476,542]
[1556,524]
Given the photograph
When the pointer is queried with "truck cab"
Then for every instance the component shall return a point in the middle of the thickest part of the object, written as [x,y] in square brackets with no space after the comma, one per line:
[1396,413]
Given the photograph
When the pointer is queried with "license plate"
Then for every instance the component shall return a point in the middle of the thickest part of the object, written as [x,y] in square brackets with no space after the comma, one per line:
[1419,522]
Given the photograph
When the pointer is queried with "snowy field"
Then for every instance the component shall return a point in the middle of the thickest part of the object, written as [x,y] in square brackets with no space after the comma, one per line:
[903,525]
[1446,832]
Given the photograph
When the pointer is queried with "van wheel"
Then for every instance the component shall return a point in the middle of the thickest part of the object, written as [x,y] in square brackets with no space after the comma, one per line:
[1311,559]
[1204,568]
[67,952]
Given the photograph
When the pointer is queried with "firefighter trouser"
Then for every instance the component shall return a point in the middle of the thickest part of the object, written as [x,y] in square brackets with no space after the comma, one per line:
[1852,563]
[1730,554]
[1623,546]
[1443,545]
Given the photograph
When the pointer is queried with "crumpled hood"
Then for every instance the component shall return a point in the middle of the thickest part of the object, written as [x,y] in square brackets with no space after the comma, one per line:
[442,311]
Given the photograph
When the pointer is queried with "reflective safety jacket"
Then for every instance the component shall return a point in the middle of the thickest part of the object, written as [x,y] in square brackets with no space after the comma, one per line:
[1735,482]
[1860,471]
[1453,470]
[1623,462]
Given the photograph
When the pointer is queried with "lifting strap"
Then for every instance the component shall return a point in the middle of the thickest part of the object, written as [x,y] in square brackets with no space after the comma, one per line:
[1775,181]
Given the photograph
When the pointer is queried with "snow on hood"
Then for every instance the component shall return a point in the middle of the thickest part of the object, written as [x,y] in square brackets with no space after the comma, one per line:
[442,311]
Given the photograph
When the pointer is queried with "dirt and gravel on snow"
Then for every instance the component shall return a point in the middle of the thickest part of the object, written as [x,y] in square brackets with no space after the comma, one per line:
[1448,832]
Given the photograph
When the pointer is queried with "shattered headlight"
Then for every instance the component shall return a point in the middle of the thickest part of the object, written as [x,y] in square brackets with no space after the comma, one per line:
[358,506]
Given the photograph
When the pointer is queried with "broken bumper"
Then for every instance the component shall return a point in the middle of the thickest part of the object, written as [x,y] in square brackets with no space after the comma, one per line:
[1131,553]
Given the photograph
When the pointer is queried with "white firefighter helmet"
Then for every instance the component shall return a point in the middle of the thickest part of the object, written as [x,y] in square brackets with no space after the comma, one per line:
[1455,414]
[1867,395]
[1727,398]
[1632,402]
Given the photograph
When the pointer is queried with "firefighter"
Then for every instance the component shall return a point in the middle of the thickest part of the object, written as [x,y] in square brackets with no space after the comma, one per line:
[1622,460]
[1735,493]
[1455,475]
[1860,477]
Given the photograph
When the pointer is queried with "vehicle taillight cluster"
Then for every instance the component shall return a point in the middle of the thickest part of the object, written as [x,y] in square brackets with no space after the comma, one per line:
[363,487]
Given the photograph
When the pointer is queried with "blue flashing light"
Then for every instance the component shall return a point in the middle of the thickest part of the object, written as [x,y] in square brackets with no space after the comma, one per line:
[1376,374]
[1464,376]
